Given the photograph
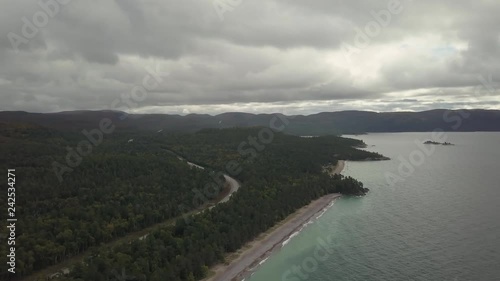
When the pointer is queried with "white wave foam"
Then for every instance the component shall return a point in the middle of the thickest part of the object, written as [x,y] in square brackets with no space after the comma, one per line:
[325,209]
[290,238]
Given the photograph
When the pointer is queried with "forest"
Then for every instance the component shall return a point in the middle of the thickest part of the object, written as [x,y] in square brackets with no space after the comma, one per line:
[134,180]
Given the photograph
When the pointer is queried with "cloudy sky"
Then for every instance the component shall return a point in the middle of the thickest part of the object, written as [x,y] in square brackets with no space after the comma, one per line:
[289,56]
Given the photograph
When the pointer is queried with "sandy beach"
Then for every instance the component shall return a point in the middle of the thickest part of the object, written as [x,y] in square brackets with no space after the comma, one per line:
[241,264]
[337,169]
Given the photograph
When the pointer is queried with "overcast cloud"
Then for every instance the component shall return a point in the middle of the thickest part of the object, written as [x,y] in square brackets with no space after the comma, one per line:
[290,56]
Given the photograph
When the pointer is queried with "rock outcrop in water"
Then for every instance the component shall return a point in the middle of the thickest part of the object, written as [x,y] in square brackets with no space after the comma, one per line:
[438,143]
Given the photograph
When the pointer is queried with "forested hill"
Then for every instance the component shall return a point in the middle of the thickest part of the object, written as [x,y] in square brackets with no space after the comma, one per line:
[279,174]
[123,185]
[344,122]
[132,180]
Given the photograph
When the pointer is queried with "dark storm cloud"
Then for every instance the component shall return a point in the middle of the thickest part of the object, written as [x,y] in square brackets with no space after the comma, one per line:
[263,55]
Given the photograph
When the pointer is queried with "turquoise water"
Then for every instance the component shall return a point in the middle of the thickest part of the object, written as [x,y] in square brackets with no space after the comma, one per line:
[438,221]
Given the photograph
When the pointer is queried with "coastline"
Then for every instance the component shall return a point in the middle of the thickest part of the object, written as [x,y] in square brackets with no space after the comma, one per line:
[339,167]
[243,263]
[334,170]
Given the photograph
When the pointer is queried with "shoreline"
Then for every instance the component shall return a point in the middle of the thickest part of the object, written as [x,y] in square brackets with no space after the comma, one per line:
[243,263]
[335,170]
[339,167]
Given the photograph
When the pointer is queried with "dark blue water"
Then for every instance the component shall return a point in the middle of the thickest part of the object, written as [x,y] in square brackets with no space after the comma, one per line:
[436,217]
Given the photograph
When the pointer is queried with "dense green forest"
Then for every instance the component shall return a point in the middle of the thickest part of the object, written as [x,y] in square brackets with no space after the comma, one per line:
[121,187]
[324,123]
[135,179]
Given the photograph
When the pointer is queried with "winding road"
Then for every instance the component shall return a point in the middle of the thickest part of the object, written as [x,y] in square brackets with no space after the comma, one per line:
[234,184]
[57,269]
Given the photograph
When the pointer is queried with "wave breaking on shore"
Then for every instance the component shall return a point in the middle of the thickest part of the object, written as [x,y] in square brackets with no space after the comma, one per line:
[259,250]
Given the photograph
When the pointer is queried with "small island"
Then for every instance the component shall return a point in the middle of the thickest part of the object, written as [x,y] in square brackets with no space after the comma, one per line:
[438,143]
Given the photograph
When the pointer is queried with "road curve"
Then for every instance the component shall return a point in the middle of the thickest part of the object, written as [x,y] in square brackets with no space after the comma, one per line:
[234,184]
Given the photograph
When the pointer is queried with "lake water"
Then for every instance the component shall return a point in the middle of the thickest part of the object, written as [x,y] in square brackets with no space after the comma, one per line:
[436,217]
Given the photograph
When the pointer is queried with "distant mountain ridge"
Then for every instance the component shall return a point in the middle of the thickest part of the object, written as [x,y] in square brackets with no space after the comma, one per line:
[341,122]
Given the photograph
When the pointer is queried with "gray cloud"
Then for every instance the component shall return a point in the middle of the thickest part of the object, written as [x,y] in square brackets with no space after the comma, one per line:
[265,56]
